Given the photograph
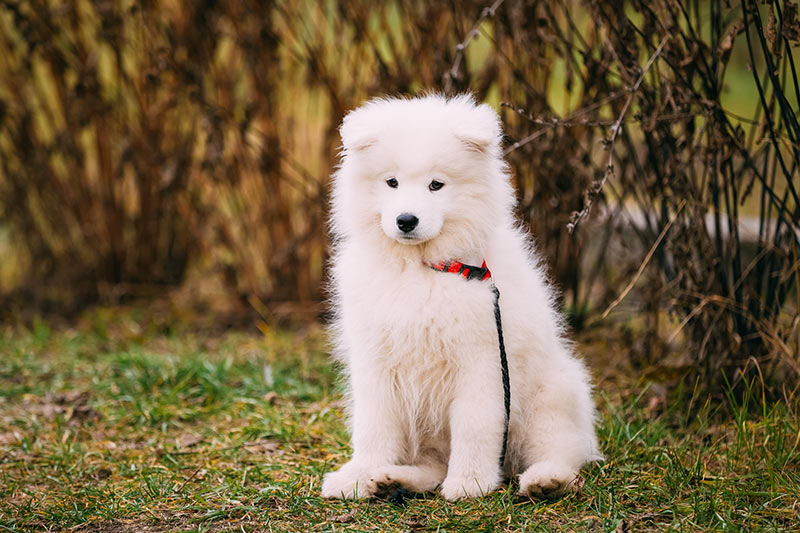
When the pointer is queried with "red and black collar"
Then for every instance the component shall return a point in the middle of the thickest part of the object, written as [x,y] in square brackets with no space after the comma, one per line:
[467,271]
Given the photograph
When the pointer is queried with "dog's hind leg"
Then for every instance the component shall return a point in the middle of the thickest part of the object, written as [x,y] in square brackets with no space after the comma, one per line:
[558,433]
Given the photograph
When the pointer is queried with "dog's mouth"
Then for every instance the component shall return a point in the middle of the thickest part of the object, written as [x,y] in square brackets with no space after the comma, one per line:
[413,238]
[409,239]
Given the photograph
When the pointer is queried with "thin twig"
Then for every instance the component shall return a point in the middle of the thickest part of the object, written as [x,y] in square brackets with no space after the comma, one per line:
[554,122]
[591,193]
[453,73]
[699,307]
[522,142]
[647,258]
[188,479]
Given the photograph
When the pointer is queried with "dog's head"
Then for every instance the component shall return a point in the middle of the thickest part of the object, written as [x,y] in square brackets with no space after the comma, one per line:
[422,170]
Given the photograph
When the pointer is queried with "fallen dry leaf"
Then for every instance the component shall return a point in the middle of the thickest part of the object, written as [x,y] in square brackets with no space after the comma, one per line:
[187,440]
[9,438]
[577,484]
[263,446]
[101,474]
[344,518]
[82,413]
[271,397]
[71,397]
[73,404]
[415,523]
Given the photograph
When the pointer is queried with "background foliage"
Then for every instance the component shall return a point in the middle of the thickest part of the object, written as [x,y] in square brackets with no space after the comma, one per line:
[654,146]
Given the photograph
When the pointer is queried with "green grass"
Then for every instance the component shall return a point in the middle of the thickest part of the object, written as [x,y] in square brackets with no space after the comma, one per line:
[182,433]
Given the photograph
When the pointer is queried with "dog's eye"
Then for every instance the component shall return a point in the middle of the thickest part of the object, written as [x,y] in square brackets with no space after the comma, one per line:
[392,182]
[435,185]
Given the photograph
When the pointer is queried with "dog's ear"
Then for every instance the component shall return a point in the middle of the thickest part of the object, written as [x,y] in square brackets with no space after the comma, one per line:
[474,143]
[357,136]
[480,133]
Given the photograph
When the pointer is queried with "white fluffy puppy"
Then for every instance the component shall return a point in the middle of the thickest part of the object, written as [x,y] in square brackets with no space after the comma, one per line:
[422,181]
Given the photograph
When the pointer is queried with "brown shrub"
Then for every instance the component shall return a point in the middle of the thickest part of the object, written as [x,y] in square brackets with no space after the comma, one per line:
[139,141]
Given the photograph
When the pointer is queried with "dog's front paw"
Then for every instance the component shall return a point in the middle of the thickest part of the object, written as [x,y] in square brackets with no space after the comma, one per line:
[546,479]
[383,485]
[348,483]
[460,488]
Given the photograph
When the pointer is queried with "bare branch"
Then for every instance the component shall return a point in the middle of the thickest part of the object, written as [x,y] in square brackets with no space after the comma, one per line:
[591,193]
[646,260]
[454,73]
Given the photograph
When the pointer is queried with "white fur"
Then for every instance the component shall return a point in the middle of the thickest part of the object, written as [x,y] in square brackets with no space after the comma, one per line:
[420,347]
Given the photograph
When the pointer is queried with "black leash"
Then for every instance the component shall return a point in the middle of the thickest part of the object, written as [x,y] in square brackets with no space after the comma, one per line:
[504,371]
[483,273]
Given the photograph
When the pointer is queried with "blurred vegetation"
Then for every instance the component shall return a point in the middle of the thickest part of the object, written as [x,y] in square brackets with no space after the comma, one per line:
[654,146]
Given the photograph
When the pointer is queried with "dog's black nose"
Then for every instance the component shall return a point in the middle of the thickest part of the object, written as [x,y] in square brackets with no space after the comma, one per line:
[407,222]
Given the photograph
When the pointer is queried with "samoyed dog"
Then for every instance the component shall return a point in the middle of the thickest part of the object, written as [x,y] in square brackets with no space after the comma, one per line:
[421,200]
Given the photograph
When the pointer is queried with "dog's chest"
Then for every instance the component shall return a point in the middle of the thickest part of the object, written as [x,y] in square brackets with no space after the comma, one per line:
[420,316]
